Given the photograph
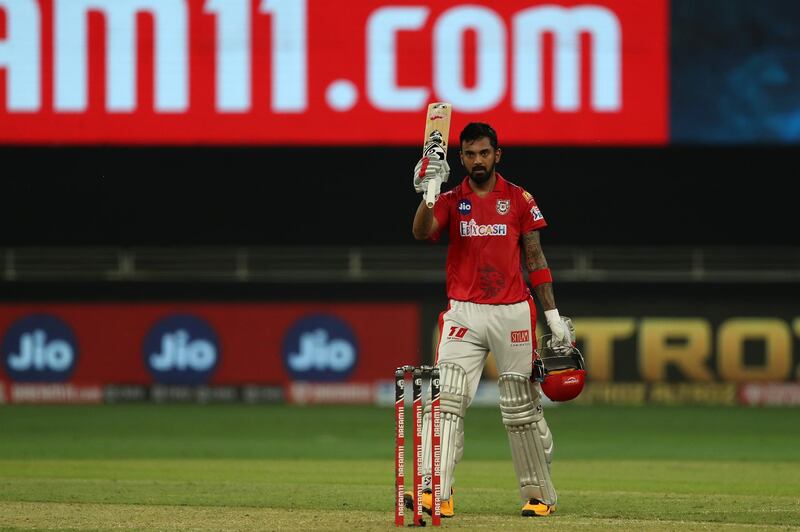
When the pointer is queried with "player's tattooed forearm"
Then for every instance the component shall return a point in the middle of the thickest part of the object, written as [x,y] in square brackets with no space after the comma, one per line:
[534,256]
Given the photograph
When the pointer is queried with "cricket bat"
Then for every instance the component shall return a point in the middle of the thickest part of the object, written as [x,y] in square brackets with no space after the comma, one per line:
[437,131]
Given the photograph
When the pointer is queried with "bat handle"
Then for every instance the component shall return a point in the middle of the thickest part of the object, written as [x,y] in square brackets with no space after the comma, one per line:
[430,195]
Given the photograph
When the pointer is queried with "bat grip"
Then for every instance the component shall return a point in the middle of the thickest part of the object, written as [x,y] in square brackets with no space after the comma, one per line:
[430,195]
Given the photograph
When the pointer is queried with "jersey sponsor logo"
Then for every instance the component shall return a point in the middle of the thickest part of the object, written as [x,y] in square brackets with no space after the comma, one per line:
[40,348]
[503,206]
[181,349]
[320,348]
[536,213]
[464,207]
[520,337]
[471,228]
[527,196]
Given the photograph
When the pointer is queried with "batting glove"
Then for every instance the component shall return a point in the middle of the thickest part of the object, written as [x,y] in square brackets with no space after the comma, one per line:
[561,329]
[428,169]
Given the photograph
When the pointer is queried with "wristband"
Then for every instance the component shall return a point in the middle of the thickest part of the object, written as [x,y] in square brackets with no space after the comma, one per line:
[552,316]
[538,277]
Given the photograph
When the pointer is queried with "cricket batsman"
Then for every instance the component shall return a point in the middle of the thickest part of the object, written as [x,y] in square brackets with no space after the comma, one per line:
[490,221]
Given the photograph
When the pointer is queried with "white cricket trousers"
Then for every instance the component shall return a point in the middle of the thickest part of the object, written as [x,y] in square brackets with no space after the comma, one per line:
[470,330]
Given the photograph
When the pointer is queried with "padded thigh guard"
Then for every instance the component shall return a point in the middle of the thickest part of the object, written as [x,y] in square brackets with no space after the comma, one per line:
[529,437]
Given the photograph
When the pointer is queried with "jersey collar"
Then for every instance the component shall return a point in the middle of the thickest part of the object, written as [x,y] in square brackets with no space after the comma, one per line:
[500,186]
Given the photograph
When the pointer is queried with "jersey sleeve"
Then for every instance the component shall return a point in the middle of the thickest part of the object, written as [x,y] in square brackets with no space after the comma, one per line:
[532,218]
[441,211]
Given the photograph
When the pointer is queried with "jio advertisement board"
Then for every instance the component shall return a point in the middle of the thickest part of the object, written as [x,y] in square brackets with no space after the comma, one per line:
[71,352]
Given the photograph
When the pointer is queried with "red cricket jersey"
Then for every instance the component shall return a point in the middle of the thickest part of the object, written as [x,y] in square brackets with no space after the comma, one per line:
[483,260]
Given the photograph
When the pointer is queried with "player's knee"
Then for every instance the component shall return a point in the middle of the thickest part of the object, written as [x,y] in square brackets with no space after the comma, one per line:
[517,405]
[453,394]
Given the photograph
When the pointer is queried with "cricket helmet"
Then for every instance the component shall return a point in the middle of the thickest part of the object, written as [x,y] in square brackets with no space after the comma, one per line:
[560,370]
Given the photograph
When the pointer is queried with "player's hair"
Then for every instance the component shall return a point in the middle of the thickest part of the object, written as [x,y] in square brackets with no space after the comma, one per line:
[476,130]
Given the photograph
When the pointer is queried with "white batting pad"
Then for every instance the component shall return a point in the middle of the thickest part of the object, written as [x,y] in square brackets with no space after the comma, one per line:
[529,437]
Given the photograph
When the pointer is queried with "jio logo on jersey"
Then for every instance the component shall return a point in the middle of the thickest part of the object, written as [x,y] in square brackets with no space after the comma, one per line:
[464,207]
[320,348]
[181,349]
[40,348]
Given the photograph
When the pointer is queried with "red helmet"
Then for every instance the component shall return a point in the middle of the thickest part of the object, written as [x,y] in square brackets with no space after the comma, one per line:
[561,372]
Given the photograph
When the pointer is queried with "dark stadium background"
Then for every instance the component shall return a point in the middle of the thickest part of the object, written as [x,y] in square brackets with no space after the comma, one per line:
[740,195]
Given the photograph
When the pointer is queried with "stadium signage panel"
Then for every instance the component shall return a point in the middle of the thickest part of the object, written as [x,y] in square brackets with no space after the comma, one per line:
[181,350]
[175,346]
[676,349]
[39,348]
[770,394]
[660,393]
[320,348]
[734,349]
[278,71]
[55,393]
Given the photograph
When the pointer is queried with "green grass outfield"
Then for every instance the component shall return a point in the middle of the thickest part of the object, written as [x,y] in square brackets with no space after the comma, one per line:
[331,468]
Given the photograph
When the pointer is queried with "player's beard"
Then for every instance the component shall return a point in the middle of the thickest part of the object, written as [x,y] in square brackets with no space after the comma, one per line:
[483,176]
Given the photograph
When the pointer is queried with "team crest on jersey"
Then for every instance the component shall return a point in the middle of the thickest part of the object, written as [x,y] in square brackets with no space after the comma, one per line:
[503,206]
[537,214]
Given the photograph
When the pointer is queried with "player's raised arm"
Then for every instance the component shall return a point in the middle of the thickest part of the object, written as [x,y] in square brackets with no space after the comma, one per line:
[425,172]
[542,281]
[425,223]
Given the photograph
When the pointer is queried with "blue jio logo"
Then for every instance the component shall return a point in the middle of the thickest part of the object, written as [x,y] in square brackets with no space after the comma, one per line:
[320,348]
[181,349]
[40,348]
[464,207]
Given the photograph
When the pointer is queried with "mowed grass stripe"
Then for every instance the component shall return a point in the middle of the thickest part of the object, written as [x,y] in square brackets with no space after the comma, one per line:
[284,495]
[252,432]
[25,515]
[590,489]
[645,476]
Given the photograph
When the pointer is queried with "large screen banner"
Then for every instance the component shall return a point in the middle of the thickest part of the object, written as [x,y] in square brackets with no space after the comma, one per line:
[317,72]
